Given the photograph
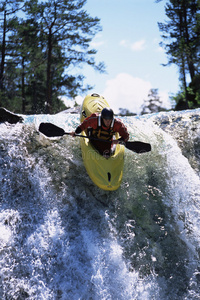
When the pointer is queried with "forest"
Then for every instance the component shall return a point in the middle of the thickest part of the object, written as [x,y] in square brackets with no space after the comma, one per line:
[41,41]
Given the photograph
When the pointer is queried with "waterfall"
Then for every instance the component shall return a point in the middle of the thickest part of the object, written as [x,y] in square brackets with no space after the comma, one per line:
[61,237]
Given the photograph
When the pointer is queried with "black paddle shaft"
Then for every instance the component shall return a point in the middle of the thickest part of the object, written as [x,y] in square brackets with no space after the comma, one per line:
[51,130]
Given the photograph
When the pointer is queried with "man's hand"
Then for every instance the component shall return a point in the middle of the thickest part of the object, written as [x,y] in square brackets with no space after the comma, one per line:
[115,142]
[73,134]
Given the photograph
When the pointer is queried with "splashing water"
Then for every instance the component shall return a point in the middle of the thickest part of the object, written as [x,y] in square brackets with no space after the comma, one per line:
[61,237]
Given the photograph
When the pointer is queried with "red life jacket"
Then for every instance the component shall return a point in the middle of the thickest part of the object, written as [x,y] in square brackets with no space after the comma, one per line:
[93,125]
[103,132]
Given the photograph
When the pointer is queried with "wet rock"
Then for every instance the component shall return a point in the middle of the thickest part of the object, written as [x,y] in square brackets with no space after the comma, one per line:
[7,116]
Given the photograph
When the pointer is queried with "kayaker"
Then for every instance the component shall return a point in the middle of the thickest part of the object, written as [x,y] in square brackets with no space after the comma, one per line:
[103,126]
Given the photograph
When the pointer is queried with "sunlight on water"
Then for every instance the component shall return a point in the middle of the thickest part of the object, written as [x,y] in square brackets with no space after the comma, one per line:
[61,237]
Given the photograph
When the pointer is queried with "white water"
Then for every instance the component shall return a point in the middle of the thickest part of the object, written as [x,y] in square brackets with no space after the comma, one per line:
[61,237]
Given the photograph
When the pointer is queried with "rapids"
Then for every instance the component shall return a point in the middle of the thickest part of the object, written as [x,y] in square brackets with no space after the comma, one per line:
[61,237]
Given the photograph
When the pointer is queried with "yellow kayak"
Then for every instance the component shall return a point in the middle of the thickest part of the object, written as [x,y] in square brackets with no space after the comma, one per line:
[106,173]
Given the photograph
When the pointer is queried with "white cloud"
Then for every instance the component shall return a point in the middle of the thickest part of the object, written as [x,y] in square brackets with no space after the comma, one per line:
[136,46]
[139,45]
[126,91]
[97,41]
[124,43]
[160,49]
[97,44]
[71,102]
[164,97]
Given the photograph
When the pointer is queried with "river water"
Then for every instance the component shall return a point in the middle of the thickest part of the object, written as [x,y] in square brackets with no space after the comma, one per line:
[61,237]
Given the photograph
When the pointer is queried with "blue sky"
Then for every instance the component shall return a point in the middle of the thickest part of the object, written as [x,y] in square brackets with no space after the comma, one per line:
[129,46]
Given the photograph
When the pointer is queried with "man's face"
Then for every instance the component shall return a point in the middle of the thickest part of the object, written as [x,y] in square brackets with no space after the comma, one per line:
[107,122]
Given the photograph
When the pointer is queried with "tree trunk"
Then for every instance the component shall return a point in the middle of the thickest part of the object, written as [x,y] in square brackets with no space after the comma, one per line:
[48,86]
[188,51]
[183,73]
[23,88]
[3,53]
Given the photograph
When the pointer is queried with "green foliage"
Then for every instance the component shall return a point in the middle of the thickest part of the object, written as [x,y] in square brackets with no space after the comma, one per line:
[182,32]
[181,39]
[40,49]
[191,100]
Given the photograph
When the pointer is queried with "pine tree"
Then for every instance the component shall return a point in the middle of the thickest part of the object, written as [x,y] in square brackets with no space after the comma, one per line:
[8,9]
[66,31]
[39,47]
[181,38]
[153,104]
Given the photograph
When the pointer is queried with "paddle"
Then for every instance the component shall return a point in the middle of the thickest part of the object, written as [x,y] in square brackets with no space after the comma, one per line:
[51,130]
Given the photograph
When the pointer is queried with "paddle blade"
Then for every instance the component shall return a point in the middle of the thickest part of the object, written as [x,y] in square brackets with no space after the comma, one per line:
[138,147]
[51,130]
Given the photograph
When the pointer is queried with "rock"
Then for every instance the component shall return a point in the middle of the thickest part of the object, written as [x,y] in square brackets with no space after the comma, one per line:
[7,116]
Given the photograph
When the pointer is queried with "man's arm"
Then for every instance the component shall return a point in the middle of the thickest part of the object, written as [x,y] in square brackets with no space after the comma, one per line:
[122,130]
[88,122]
